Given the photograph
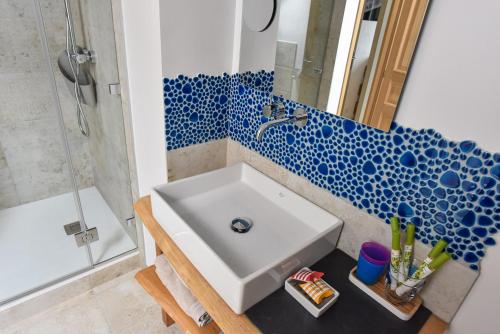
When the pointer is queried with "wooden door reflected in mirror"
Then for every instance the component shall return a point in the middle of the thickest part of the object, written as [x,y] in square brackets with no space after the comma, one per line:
[347,57]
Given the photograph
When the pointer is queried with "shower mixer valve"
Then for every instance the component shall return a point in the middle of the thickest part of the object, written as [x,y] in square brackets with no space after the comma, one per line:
[83,56]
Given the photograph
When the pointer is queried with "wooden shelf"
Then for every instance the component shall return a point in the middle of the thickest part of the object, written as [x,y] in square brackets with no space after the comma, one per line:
[221,313]
[152,284]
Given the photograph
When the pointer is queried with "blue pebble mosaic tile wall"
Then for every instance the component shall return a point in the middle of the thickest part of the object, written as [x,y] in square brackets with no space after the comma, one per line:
[196,109]
[449,190]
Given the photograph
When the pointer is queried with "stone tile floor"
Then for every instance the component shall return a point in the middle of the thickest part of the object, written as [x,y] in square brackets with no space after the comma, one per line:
[118,306]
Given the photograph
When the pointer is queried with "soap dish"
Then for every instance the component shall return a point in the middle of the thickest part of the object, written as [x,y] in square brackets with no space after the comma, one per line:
[293,288]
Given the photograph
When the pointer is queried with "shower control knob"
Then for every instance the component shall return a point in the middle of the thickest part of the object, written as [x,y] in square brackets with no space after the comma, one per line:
[84,56]
[80,58]
[91,55]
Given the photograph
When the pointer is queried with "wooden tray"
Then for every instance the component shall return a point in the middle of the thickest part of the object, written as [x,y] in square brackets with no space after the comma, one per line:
[377,292]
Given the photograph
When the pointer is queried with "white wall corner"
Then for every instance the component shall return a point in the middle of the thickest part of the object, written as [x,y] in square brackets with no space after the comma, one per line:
[141,28]
[238,24]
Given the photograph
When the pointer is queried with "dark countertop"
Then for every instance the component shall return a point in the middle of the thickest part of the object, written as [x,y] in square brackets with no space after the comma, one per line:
[354,312]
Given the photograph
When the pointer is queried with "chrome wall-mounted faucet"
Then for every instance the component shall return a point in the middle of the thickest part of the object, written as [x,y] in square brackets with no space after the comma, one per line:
[277,112]
[274,110]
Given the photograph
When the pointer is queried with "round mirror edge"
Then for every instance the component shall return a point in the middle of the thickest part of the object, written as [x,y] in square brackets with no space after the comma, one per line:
[273,16]
[268,24]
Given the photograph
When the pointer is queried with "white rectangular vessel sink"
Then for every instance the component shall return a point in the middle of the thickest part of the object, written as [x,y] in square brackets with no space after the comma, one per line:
[282,231]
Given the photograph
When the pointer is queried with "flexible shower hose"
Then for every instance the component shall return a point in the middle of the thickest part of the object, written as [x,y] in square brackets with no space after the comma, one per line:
[71,50]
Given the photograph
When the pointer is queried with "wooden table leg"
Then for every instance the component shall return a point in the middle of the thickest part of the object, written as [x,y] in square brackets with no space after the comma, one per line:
[167,320]
[158,250]
[433,325]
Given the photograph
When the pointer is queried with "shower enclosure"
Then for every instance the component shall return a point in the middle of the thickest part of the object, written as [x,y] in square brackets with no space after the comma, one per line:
[65,186]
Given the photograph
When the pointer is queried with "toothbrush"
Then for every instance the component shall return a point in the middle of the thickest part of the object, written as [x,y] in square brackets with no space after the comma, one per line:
[407,253]
[395,252]
[422,273]
[435,251]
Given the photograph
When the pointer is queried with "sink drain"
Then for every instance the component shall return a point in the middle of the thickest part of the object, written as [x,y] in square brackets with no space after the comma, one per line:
[241,225]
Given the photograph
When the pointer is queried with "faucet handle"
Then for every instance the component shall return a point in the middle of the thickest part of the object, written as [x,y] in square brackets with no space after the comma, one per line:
[274,110]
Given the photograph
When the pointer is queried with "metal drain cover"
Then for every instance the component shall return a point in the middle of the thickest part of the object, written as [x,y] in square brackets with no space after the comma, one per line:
[241,225]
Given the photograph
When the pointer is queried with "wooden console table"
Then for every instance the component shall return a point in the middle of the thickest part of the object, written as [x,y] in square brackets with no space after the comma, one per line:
[224,318]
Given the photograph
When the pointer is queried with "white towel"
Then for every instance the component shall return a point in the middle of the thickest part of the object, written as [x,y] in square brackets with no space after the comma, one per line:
[180,292]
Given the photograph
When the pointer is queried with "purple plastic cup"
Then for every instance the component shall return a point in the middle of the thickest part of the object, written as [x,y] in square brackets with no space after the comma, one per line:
[375,253]
[373,260]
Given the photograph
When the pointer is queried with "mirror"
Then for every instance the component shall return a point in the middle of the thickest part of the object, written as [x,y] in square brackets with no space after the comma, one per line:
[259,14]
[347,57]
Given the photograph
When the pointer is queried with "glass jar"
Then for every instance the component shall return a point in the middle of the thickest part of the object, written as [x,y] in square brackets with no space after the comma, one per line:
[405,291]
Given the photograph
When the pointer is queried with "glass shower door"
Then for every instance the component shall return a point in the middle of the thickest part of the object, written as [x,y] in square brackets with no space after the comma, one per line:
[95,128]
[64,171]
[37,193]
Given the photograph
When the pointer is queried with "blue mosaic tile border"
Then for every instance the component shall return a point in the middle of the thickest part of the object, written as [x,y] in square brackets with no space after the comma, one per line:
[196,109]
[449,190]
[261,80]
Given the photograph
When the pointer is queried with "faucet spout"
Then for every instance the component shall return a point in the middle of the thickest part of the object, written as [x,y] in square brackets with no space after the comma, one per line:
[299,118]
[271,124]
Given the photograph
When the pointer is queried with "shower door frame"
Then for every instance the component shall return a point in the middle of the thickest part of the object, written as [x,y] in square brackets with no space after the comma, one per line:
[62,129]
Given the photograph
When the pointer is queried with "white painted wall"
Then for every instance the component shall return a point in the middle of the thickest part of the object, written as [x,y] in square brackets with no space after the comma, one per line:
[197,36]
[210,37]
[454,87]
[238,22]
[293,19]
[257,50]
[141,25]
[454,81]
